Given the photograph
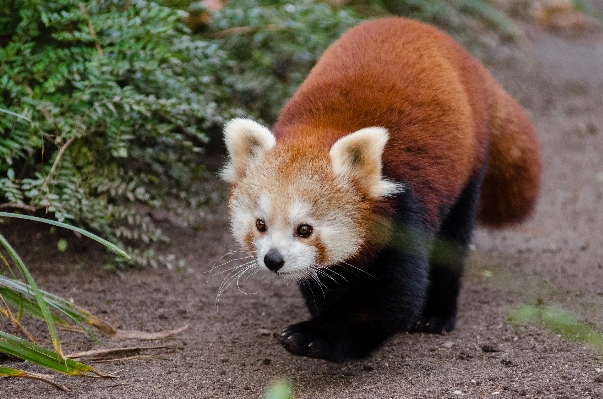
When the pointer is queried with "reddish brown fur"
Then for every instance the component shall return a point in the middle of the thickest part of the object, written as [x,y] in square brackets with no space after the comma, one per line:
[512,183]
[440,106]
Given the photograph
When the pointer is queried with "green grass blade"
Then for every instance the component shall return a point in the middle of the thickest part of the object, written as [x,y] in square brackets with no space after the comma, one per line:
[493,16]
[52,330]
[22,296]
[83,232]
[26,305]
[41,356]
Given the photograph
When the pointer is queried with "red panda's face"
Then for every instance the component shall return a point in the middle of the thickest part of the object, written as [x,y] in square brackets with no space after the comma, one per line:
[296,207]
[292,217]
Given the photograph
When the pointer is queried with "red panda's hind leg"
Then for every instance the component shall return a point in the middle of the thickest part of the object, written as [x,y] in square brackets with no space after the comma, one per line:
[447,261]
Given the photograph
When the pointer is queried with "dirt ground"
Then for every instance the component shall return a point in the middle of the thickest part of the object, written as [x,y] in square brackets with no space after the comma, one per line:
[229,350]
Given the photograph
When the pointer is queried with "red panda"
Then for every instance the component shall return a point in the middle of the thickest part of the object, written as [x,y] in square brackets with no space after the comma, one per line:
[368,186]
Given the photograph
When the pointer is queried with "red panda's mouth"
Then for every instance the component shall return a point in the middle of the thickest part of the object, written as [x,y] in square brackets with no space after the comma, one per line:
[295,274]
[301,274]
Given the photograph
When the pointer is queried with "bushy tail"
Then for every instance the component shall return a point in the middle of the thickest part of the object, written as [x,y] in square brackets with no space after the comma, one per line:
[512,182]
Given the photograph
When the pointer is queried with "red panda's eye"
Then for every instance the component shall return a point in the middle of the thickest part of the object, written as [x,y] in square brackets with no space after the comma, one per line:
[260,225]
[304,230]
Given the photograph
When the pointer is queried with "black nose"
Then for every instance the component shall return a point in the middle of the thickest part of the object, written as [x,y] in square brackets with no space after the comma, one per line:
[273,260]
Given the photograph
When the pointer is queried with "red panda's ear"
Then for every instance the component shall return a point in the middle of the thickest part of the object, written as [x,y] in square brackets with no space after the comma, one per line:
[357,157]
[247,142]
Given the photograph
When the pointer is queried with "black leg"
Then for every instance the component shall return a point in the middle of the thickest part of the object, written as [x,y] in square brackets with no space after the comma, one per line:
[447,262]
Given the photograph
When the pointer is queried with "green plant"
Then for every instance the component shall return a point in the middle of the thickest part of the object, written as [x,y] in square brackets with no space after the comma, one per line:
[559,321]
[109,105]
[119,105]
[588,7]
[27,298]
[272,46]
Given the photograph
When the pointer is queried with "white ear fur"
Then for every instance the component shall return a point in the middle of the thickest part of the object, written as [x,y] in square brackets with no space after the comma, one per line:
[246,141]
[358,157]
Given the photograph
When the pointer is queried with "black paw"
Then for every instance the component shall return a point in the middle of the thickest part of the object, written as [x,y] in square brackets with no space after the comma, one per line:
[335,342]
[303,339]
[435,324]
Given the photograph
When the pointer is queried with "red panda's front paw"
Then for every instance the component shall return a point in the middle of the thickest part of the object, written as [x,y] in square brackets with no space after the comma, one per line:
[303,340]
[333,341]
[435,324]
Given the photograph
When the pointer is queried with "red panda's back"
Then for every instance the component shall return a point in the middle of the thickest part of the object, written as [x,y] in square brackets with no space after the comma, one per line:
[411,79]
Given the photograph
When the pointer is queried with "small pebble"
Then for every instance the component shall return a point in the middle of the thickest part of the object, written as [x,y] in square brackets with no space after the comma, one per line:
[490,348]
[506,362]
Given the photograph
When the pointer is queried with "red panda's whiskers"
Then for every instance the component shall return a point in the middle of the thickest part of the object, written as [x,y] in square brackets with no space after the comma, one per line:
[232,252]
[253,273]
[220,265]
[320,272]
[314,277]
[235,270]
[254,269]
[231,268]
[359,269]
[325,272]
[307,283]
[234,275]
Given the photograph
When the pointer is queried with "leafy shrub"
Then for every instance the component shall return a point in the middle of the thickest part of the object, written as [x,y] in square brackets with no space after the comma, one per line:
[273,45]
[122,101]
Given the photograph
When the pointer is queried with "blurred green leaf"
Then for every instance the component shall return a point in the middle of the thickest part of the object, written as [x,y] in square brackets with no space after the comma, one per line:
[280,389]
[560,321]
[62,245]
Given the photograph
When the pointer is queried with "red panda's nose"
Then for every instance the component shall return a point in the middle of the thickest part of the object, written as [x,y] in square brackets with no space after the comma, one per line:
[273,260]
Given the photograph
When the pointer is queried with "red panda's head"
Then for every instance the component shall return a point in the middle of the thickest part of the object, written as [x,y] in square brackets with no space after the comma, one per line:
[296,205]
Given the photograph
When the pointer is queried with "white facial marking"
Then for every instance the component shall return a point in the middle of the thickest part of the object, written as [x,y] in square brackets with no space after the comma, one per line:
[264,206]
[339,237]
[298,211]
[335,229]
